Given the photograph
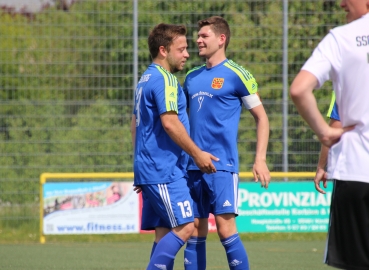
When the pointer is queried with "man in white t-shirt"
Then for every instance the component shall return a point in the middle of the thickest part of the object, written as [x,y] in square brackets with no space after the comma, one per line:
[343,57]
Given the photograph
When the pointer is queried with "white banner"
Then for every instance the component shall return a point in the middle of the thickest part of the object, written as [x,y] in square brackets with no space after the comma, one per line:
[90,208]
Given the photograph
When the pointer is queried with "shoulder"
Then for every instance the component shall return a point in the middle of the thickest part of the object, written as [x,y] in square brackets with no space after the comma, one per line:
[165,76]
[338,32]
[165,73]
[351,28]
[245,78]
[239,70]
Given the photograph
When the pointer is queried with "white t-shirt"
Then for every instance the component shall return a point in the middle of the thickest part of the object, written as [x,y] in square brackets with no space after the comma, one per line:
[343,57]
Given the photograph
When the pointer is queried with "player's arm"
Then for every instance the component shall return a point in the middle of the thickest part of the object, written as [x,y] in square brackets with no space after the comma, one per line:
[301,92]
[178,133]
[247,90]
[260,168]
[321,174]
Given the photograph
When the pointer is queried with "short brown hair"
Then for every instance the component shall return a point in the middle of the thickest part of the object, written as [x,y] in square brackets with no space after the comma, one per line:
[163,35]
[219,26]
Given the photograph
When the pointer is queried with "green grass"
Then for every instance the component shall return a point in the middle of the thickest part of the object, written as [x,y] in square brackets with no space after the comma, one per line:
[19,249]
[263,255]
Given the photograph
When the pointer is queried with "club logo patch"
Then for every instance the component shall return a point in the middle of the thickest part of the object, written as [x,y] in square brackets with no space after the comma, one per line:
[217,83]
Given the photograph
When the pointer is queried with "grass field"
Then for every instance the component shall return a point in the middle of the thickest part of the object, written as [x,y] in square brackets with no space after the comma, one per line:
[265,251]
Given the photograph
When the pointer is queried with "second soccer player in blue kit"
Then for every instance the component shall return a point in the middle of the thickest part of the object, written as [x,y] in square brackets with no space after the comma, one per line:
[216,92]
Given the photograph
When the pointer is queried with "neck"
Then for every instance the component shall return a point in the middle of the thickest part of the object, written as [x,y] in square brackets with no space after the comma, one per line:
[215,59]
[162,63]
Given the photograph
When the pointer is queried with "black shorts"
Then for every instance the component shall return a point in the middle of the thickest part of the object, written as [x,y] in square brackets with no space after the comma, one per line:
[348,234]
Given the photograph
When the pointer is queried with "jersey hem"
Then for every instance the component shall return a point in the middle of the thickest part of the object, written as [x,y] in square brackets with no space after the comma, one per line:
[351,178]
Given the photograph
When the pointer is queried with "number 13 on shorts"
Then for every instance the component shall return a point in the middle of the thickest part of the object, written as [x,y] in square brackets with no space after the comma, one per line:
[185,209]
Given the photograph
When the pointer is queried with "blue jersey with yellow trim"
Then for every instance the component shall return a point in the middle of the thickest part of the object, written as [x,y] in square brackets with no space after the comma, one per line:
[157,158]
[214,101]
[333,108]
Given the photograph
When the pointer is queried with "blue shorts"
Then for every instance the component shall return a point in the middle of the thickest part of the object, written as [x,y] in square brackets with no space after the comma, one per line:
[215,193]
[166,205]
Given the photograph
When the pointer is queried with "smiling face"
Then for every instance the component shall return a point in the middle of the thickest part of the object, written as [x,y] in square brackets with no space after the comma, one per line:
[177,54]
[355,9]
[208,42]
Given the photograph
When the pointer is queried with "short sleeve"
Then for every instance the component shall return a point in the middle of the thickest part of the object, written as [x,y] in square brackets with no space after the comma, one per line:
[324,60]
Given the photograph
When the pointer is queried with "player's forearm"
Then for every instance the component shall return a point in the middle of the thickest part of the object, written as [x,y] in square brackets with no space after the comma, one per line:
[323,157]
[184,141]
[262,131]
[302,95]
[178,133]
[308,109]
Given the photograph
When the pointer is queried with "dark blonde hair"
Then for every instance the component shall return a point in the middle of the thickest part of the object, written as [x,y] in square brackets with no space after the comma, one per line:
[163,35]
[218,25]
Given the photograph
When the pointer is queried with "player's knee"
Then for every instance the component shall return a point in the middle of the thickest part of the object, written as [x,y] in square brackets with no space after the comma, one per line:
[185,231]
[189,229]
[226,230]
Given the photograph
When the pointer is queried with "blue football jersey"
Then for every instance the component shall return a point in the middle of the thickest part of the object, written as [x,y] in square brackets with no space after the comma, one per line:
[333,109]
[157,158]
[214,99]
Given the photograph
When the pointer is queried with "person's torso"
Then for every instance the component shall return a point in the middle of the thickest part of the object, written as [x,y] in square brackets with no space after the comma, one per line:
[214,101]
[158,159]
[349,158]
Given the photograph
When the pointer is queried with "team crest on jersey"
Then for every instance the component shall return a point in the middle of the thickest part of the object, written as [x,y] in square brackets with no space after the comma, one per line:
[217,83]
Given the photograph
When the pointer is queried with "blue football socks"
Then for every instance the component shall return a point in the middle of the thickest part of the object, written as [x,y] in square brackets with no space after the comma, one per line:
[236,253]
[195,254]
[165,252]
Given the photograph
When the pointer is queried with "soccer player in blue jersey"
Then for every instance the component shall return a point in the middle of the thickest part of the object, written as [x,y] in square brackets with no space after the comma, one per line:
[216,92]
[162,144]
[334,121]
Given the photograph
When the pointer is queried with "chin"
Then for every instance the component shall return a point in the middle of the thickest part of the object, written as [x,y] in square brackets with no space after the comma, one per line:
[349,18]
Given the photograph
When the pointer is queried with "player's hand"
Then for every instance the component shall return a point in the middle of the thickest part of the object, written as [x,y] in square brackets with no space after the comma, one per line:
[261,173]
[205,162]
[320,176]
[333,135]
[137,189]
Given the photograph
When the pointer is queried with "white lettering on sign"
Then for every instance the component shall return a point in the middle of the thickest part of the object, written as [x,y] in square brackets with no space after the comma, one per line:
[286,199]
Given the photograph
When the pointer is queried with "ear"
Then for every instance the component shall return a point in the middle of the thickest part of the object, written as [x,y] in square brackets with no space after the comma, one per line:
[162,51]
[222,39]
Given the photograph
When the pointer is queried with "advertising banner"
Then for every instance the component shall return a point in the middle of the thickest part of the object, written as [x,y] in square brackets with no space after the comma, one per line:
[90,208]
[283,207]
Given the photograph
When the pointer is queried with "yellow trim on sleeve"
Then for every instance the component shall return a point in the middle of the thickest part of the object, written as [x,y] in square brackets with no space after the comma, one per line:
[171,90]
[245,76]
[333,100]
